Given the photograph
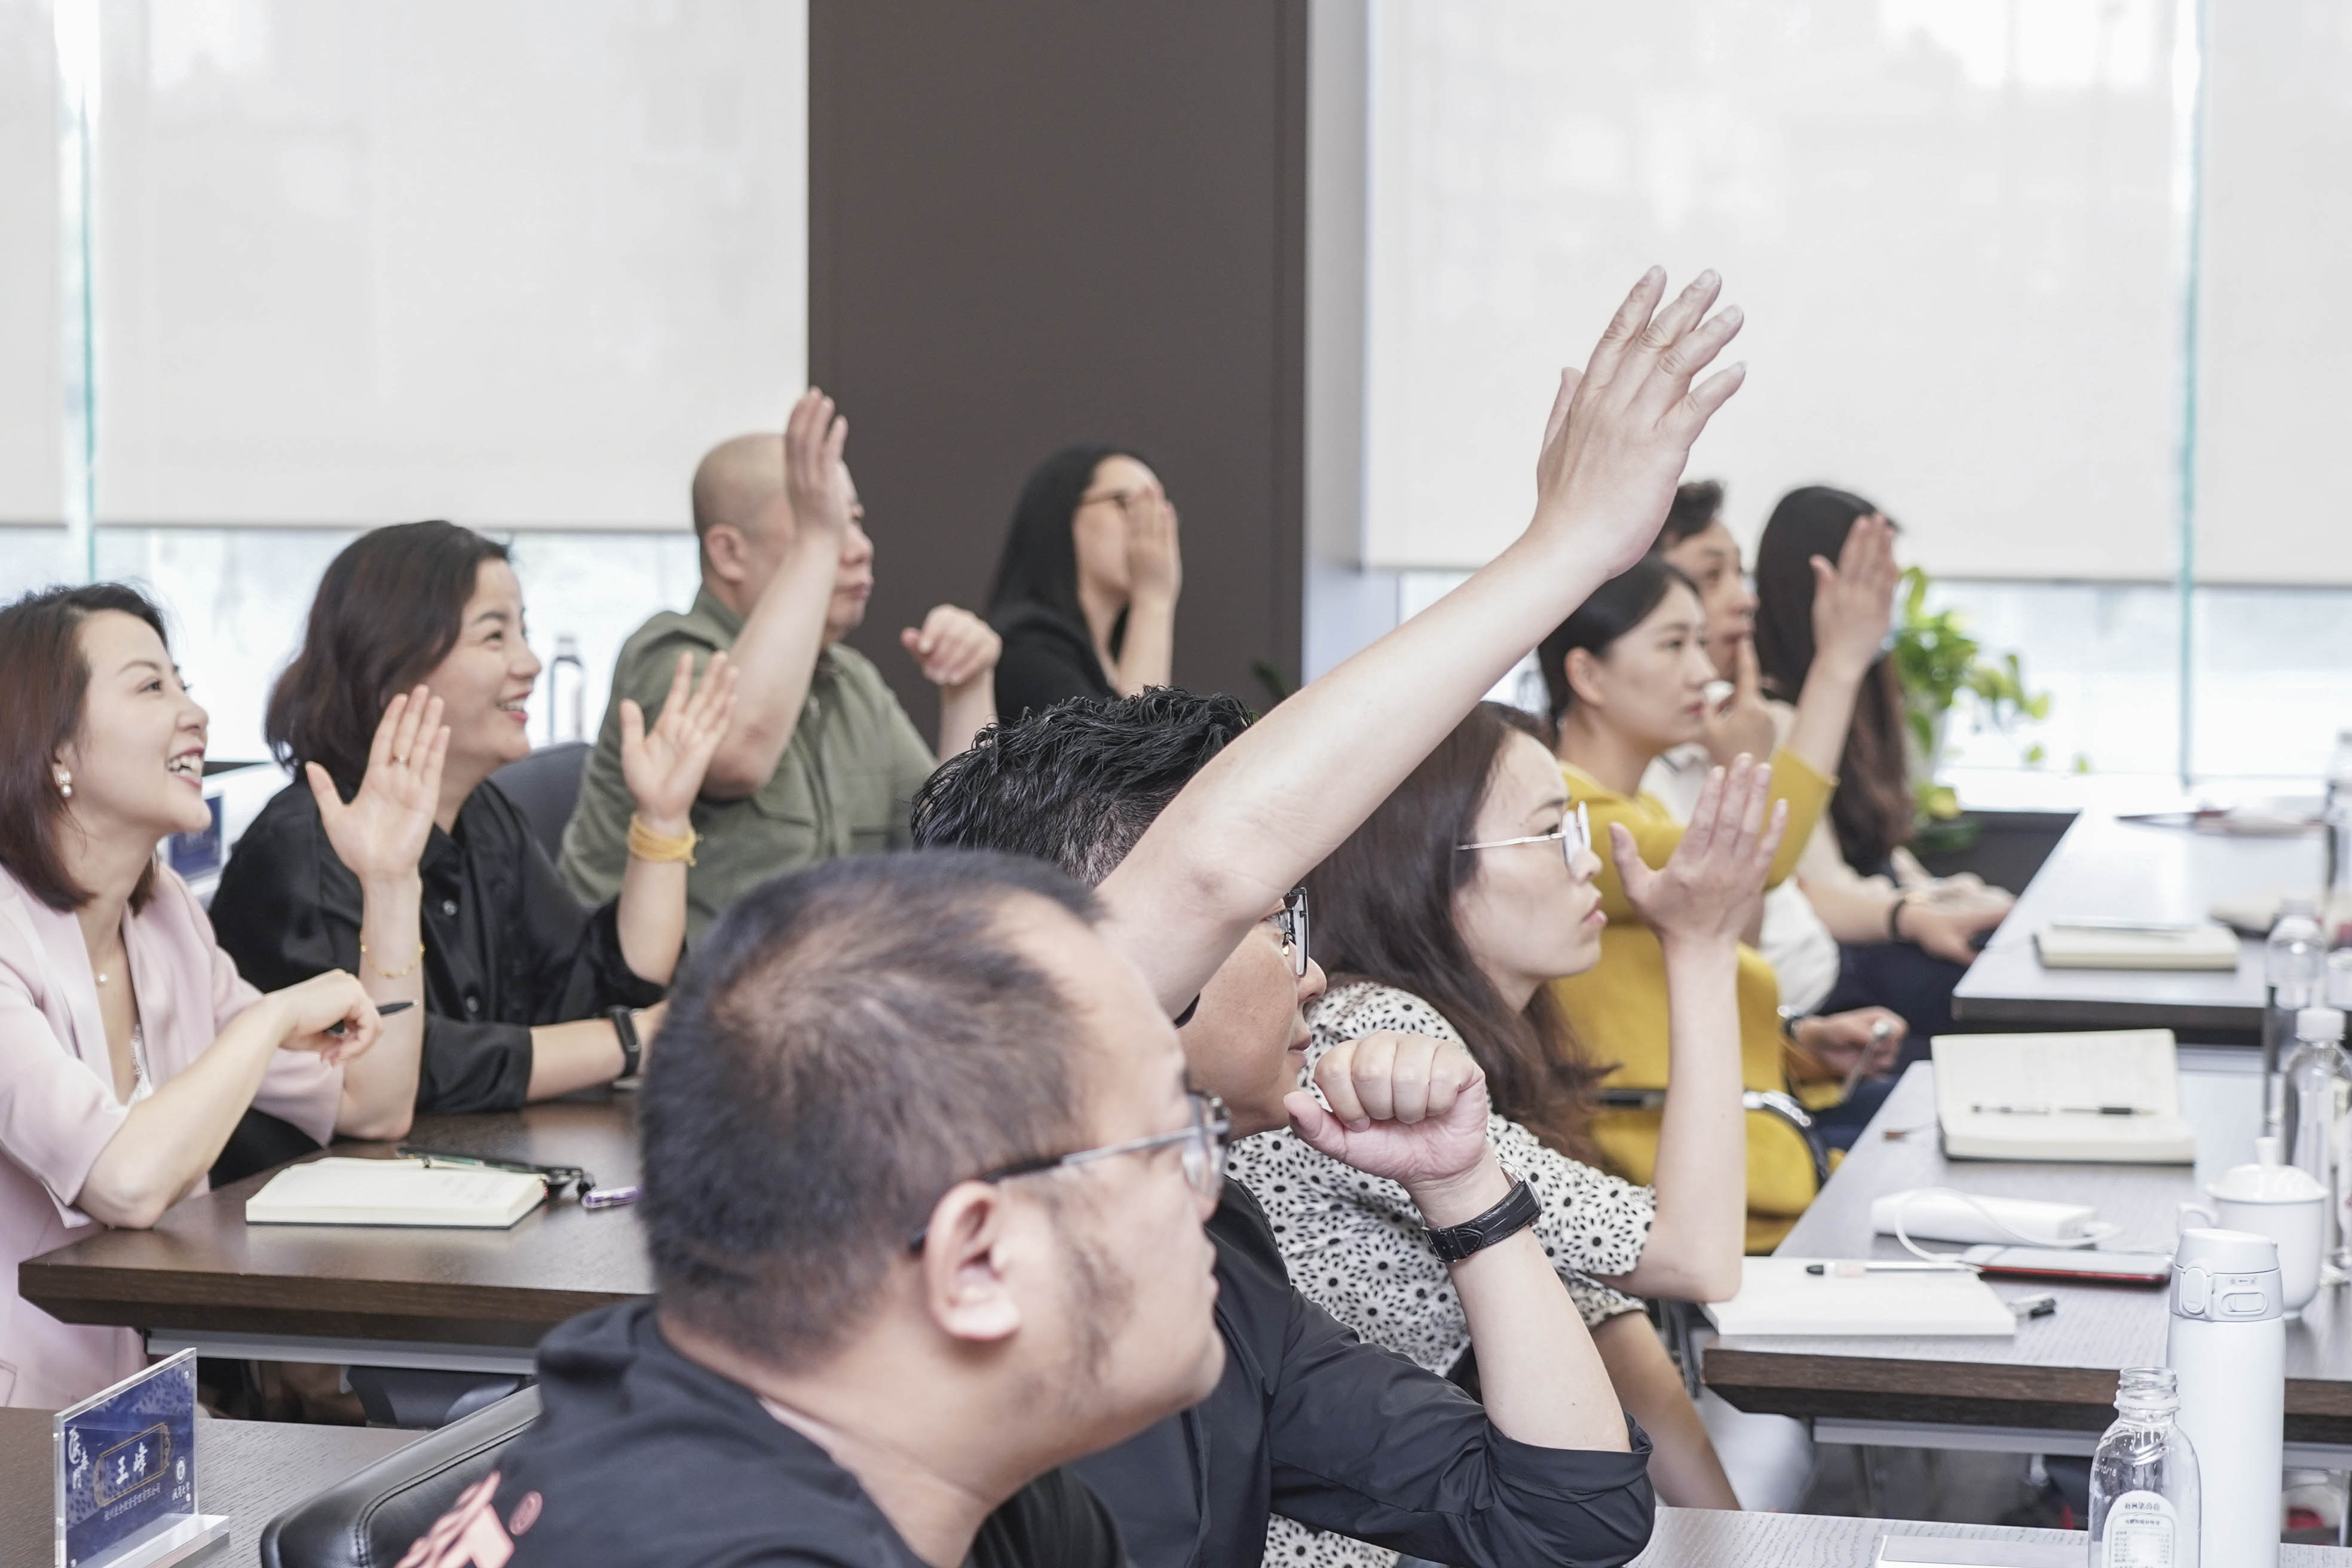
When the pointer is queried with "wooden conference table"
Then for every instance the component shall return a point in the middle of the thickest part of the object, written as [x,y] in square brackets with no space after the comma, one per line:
[2107,869]
[2051,1389]
[250,1470]
[475,1300]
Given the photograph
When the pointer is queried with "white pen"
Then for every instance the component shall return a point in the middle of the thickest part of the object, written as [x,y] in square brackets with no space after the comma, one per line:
[1855,1268]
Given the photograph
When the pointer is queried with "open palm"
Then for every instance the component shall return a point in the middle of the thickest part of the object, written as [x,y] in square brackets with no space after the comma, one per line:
[1710,884]
[663,767]
[381,831]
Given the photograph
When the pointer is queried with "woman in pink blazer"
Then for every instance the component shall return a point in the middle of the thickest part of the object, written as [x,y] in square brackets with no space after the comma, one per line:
[129,1047]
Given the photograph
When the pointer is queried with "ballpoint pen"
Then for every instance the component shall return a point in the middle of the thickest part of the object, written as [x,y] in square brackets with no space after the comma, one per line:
[1855,1268]
[384,1010]
[2060,1110]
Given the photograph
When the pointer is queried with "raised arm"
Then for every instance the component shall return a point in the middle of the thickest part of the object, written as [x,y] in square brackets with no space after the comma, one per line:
[1280,798]
[1155,576]
[1698,905]
[782,635]
[957,652]
[664,769]
[1853,603]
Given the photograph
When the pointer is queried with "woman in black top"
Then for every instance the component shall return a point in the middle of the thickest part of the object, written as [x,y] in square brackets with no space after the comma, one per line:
[1086,590]
[528,994]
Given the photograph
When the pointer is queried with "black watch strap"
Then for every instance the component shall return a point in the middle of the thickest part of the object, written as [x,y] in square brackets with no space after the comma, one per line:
[624,1024]
[1519,1209]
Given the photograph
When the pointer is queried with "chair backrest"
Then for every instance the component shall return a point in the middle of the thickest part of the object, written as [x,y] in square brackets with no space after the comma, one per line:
[545,786]
[370,1520]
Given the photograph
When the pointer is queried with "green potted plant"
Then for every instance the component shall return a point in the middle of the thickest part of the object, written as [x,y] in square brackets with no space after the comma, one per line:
[1936,659]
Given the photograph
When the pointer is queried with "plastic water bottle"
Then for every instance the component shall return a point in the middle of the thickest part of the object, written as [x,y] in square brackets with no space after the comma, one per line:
[2294,963]
[2316,1076]
[2143,1491]
[567,692]
[2228,1343]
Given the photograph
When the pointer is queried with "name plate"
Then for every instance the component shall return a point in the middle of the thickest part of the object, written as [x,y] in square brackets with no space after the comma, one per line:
[126,1473]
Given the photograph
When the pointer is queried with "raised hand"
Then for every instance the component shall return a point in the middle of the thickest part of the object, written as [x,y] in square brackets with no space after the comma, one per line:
[1406,1107]
[1621,430]
[1155,560]
[1854,601]
[309,1008]
[381,835]
[1742,722]
[664,769]
[1709,887]
[954,646]
[816,483]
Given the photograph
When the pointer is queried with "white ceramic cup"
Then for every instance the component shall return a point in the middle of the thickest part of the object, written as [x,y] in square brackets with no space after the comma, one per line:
[2296,1224]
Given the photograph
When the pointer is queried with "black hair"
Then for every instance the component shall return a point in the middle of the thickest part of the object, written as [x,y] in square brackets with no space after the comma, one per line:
[848,1043]
[1077,785]
[388,610]
[1039,567]
[1616,607]
[1697,504]
[1873,809]
[49,687]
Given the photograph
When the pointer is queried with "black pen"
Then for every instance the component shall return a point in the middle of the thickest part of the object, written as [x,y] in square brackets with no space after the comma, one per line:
[384,1010]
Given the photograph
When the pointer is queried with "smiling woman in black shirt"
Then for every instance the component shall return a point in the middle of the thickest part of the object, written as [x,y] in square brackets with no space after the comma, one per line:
[528,992]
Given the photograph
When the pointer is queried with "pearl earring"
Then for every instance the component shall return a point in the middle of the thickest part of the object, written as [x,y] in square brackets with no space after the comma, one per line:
[65,783]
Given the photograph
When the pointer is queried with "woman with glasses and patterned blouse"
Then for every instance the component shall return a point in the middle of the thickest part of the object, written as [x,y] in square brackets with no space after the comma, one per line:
[1448,913]
[1085,590]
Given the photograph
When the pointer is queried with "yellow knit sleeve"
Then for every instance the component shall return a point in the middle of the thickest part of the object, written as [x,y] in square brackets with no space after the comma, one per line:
[1808,792]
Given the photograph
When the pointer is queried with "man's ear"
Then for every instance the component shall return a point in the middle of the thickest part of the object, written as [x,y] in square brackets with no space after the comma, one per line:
[1583,673]
[724,546]
[966,1288]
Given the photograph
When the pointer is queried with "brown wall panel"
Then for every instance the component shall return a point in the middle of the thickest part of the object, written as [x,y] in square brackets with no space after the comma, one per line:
[1039,221]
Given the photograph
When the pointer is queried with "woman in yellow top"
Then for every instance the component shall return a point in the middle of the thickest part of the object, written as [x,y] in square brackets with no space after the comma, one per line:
[1628,676]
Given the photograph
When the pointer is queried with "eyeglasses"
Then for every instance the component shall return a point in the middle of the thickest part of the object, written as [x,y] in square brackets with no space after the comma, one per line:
[1128,502]
[1203,1138]
[1574,836]
[1291,921]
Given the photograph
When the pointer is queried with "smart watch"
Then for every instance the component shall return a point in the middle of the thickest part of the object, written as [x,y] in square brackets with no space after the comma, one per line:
[624,1024]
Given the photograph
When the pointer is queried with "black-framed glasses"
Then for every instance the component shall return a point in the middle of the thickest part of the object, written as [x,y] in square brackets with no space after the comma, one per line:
[1574,836]
[1127,501]
[1203,1138]
[1291,921]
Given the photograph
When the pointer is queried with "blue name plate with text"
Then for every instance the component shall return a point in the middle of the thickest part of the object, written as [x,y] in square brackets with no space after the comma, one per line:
[126,1472]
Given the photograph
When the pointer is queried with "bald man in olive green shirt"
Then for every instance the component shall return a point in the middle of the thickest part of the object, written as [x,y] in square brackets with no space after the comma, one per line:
[821,760]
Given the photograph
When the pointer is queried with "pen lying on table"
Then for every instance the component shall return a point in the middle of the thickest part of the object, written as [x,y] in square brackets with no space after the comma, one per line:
[1855,1268]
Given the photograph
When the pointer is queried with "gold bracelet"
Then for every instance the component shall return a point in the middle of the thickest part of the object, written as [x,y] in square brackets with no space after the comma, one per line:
[393,974]
[644,844]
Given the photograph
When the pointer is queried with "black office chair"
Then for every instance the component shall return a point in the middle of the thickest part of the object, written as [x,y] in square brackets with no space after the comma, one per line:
[545,786]
[373,1519]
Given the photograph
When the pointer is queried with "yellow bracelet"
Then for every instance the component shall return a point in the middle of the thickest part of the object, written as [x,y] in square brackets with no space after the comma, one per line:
[644,844]
[395,973]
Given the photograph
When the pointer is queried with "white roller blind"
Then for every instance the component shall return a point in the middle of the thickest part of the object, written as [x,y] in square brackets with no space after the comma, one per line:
[1948,222]
[515,264]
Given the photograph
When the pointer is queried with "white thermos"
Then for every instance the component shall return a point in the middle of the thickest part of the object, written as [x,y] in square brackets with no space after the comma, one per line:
[2229,1347]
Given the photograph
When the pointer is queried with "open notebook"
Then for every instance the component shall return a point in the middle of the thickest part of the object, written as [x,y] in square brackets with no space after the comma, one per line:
[2130,944]
[336,1190]
[2100,1097]
[1778,1297]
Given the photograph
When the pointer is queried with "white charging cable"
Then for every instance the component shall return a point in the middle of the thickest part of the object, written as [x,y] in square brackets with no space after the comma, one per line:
[1902,1234]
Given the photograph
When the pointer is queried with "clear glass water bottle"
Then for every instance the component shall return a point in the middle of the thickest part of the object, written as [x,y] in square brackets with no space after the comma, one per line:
[2144,1502]
[567,692]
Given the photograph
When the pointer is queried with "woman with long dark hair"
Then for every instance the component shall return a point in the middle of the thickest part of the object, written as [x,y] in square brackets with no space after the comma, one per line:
[1628,676]
[1448,913]
[1904,938]
[129,1046]
[528,992]
[1087,588]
